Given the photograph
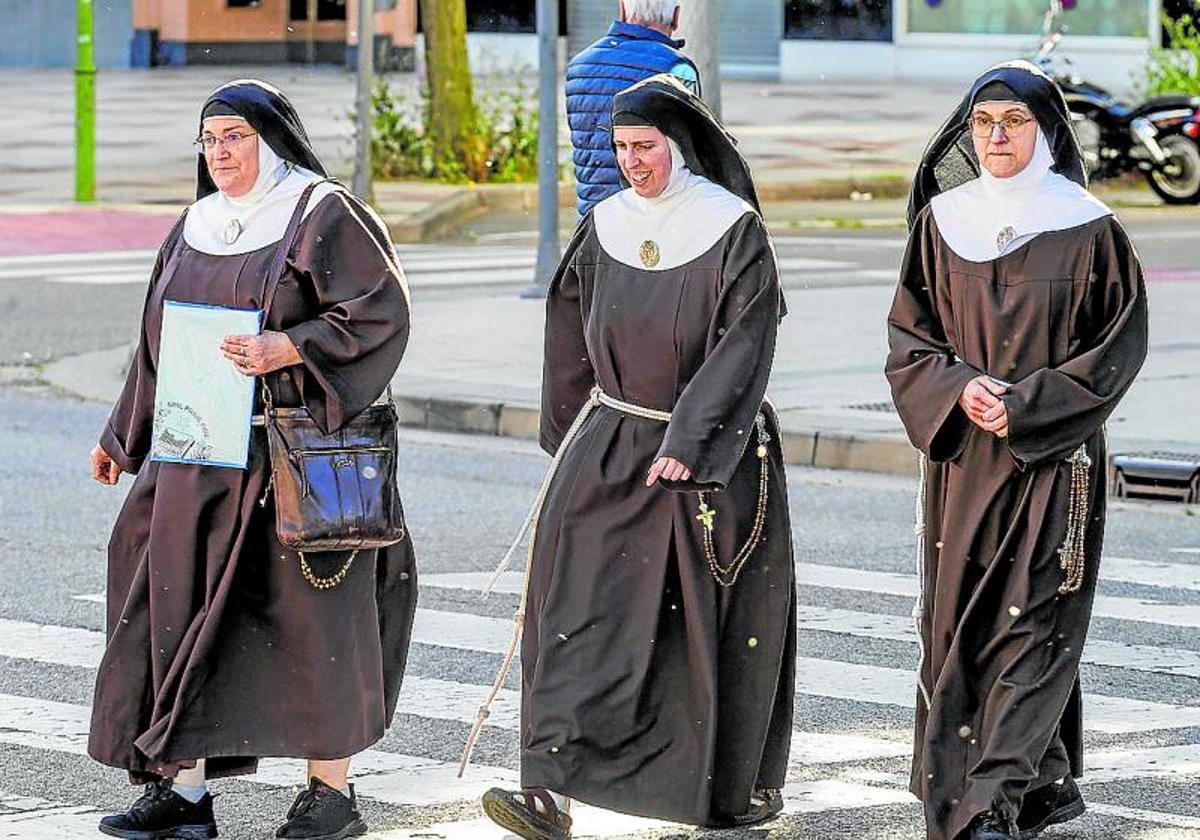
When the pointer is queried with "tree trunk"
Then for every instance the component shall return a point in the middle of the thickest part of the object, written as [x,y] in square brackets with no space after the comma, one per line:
[451,97]
[700,26]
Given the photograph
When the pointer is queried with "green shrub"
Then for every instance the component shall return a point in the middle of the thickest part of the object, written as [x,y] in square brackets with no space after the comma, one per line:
[1176,70]
[500,145]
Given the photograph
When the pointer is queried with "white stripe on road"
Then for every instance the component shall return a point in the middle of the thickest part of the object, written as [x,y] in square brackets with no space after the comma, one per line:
[114,278]
[1146,658]
[1142,815]
[85,258]
[390,777]
[887,583]
[1151,573]
[890,583]
[32,818]
[424,696]
[897,687]
[455,701]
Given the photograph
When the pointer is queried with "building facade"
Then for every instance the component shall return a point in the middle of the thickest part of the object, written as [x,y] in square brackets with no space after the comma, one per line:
[790,40]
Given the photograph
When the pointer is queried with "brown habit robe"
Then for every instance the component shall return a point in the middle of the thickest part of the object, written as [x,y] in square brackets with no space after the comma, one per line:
[1064,319]
[217,647]
[647,687]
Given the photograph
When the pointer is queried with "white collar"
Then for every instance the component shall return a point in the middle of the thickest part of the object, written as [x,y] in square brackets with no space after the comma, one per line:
[220,225]
[675,227]
[988,217]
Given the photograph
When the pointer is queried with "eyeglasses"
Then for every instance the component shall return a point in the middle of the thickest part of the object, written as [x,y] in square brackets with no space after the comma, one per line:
[1012,125]
[210,142]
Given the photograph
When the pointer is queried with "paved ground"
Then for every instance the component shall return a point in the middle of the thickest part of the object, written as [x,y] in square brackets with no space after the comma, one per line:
[146,121]
[477,346]
[464,497]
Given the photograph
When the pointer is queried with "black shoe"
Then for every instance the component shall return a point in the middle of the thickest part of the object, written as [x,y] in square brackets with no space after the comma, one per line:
[323,813]
[990,827]
[1047,806]
[160,813]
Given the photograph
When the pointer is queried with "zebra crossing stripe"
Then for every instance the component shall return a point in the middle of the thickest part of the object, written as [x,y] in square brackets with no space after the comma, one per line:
[421,696]
[455,701]
[32,818]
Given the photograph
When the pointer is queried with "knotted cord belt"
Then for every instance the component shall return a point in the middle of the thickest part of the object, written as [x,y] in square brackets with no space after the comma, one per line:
[724,575]
[595,399]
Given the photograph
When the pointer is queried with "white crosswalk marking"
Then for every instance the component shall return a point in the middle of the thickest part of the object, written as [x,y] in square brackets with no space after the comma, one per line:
[399,779]
[430,267]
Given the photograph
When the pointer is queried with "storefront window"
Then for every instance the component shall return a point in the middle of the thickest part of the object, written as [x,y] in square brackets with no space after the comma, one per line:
[326,9]
[838,20]
[1129,18]
[505,16]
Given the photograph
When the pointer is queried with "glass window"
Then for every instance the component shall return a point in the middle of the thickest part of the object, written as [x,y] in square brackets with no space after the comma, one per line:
[838,20]
[326,9]
[505,16]
[1024,17]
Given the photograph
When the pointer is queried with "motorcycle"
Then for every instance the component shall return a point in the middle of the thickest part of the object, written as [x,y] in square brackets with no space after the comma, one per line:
[1159,137]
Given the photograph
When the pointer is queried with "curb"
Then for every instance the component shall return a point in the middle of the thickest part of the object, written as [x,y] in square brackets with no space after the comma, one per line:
[887,454]
[469,202]
[98,376]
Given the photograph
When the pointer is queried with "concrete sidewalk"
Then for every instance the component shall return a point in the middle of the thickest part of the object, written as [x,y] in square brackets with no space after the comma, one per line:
[474,365]
[804,142]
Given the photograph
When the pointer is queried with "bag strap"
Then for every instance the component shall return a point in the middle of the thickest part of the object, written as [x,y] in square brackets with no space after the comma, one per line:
[278,264]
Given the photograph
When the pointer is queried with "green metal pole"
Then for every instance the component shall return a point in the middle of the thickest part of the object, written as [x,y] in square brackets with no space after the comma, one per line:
[85,105]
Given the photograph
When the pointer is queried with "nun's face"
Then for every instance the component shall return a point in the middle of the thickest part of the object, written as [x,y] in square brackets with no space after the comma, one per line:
[1005,135]
[644,156]
[232,162]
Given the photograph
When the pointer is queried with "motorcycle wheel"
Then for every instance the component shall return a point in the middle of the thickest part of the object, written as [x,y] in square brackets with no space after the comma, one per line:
[1178,182]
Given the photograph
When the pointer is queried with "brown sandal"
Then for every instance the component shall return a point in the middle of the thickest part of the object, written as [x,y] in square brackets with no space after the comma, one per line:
[765,804]
[505,809]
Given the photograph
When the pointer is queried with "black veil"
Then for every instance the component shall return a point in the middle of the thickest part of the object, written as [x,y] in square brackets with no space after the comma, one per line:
[949,160]
[272,115]
[662,101]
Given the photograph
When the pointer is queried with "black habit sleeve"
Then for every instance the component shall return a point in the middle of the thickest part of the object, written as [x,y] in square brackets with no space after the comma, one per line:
[567,375]
[351,350]
[1054,410]
[713,419]
[129,432]
[925,375]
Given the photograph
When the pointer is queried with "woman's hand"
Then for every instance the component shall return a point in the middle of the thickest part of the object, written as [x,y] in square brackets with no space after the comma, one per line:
[982,403]
[254,355]
[668,469]
[104,469]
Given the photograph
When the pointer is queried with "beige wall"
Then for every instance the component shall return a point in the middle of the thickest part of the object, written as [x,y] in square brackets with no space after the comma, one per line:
[147,14]
[400,23]
[213,20]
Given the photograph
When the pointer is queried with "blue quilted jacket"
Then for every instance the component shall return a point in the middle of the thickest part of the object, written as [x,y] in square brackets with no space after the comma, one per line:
[627,54]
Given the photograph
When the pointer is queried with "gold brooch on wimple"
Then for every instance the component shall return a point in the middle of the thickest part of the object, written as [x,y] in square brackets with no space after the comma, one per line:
[649,253]
[1005,238]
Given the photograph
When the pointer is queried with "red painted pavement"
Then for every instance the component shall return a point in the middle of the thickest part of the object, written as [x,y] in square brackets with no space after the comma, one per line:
[74,231]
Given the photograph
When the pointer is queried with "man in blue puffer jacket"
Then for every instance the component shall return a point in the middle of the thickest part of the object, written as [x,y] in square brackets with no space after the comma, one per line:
[637,46]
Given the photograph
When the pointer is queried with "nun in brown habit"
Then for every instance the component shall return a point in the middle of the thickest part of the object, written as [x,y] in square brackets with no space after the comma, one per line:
[219,651]
[659,642]
[1019,323]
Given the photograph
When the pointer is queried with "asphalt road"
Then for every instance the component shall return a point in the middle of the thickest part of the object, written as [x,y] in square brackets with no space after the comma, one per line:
[56,305]
[464,497]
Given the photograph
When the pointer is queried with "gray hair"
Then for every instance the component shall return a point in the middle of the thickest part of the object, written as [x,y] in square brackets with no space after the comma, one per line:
[651,11]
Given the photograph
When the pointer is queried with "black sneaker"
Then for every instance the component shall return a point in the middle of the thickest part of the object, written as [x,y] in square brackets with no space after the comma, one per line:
[989,826]
[160,813]
[1047,806]
[323,813]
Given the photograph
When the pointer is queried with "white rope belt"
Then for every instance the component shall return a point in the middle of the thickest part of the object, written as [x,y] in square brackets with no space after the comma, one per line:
[595,399]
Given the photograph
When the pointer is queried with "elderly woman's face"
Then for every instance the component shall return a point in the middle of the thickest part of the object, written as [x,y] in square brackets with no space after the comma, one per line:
[232,160]
[1005,135]
[644,156]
